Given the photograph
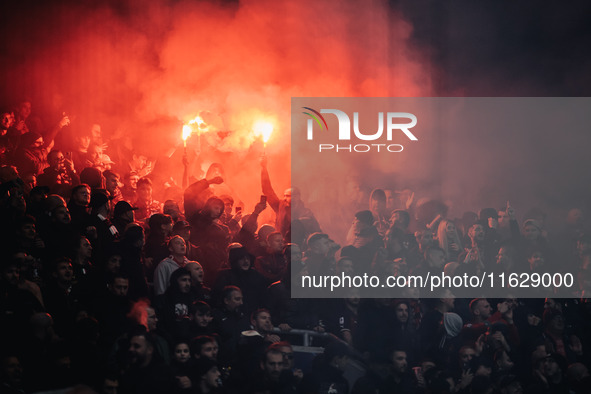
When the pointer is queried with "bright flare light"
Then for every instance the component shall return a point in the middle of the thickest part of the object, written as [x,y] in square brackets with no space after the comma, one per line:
[199,122]
[187,130]
[264,129]
[197,125]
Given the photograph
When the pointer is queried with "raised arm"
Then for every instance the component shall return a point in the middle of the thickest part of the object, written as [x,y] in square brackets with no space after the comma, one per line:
[268,191]
[193,192]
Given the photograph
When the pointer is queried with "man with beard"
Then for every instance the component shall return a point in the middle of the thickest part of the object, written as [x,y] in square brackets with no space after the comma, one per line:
[174,305]
[290,208]
[482,253]
[78,206]
[60,176]
[211,236]
[204,347]
[62,298]
[229,321]
[144,315]
[146,374]
[31,155]
[272,375]
[252,343]
[55,227]
[272,264]
[112,308]
[400,380]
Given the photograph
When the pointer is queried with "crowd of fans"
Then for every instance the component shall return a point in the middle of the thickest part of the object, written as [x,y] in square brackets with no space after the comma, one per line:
[105,289]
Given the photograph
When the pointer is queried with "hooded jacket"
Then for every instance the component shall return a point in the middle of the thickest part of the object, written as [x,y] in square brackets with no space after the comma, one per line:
[250,281]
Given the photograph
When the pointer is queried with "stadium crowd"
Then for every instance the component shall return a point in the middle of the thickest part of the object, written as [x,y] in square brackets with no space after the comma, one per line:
[107,290]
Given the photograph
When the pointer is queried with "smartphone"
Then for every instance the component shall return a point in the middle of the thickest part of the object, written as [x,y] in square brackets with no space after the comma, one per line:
[238,210]
[263,199]
[68,155]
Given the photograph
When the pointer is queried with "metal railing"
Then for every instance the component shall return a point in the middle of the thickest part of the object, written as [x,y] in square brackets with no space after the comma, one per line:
[306,335]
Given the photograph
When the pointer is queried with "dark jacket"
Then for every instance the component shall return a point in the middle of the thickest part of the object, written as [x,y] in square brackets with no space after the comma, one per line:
[251,282]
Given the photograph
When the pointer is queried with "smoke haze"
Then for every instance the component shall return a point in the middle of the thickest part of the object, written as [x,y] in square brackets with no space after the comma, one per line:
[142,69]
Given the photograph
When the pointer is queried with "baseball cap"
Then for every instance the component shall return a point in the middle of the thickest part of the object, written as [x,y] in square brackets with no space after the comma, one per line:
[181,224]
[121,207]
[99,198]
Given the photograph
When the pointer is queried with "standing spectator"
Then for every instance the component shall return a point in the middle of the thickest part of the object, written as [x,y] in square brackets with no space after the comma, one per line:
[146,205]
[156,248]
[80,155]
[146,374]
[172,208]
[166,267]
[31,156]
[207,377]
[112,186]
[182,228]
[242,274]
[85,272]
[273,375]
[290,208]
[78,206]
[129,189]
[449,240]
[400,380]
[229,321]
[201,291]
[327,375]
[182,366]
[272,264]
[318,259]
[60,175]
[123,215]
[62,298]
[211,236]
[252,343]
[381,215]
[132,262]
[174,305]
[112,308]
[105,233]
